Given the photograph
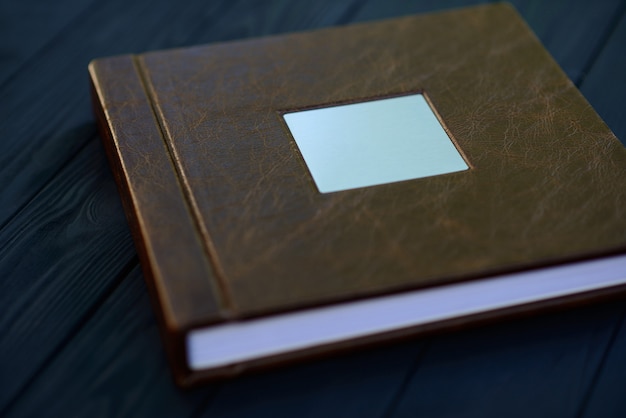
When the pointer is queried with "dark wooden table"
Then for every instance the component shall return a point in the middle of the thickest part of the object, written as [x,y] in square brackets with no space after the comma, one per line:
[77,334]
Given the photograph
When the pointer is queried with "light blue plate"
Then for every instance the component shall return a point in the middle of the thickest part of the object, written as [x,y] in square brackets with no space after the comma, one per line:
[371,143]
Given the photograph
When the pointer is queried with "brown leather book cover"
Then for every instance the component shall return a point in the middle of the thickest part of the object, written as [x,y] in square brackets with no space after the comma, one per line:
[231,227]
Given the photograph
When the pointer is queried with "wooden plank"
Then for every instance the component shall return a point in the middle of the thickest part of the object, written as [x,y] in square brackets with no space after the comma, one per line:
[606,398]
[58,258]
[540,366]
[359,384]
[373,10]
[605,85]
[28,26]
[571,30]
[114,367]
[121,371]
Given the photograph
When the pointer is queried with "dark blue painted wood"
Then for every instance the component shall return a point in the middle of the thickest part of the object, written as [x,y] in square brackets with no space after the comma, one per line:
[113,367]
[360,384]
[605,85]
[29,26]
[540,367]
[572,31]
[59,257]
[607,396]
[77,336]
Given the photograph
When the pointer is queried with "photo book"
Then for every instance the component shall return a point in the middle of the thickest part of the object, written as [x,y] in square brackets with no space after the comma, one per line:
[296,195]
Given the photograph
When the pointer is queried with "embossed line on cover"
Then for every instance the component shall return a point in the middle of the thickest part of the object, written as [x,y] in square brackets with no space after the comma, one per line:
[190,202]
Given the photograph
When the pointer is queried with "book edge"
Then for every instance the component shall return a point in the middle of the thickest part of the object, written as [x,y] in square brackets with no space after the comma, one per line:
[327,325]
[610,284]
[175,317]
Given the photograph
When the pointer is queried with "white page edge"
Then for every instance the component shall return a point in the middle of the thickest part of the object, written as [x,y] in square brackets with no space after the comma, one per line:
[235,342]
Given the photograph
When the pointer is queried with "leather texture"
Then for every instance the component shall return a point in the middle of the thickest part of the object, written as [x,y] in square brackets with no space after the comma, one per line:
[546,183]
[180,278]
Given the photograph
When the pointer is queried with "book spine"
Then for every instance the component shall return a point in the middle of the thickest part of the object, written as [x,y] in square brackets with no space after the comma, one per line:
[180,277]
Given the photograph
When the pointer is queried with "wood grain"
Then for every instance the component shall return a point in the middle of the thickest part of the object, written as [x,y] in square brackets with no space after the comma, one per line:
[605,85]
[606,396]
[120,371]
[540,366]
[114,367]
[58,258]
[359,384]
[30,26]
[572,31]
